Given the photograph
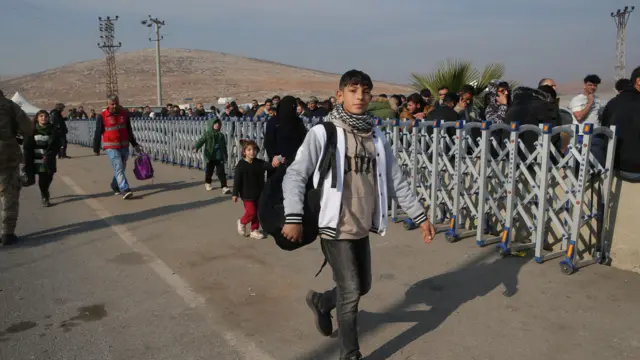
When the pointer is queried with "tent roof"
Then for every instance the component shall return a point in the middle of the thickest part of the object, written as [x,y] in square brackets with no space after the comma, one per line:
[24,104]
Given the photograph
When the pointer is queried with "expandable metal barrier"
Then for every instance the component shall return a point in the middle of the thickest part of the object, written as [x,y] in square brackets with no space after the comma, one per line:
[486,187]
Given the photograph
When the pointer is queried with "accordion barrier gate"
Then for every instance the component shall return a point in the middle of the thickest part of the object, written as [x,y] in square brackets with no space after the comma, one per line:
[475,180]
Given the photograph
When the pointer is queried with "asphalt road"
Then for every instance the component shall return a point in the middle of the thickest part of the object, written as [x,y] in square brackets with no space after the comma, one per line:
[164,276]
[89,296]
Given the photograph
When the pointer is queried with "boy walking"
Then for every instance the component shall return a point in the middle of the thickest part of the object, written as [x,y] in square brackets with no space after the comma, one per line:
[367,175]
[215,153]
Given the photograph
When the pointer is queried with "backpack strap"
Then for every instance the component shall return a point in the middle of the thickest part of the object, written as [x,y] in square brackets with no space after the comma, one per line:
[328,162]
[328,159]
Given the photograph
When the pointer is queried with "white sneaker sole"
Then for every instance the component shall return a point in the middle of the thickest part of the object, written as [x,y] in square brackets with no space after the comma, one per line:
[242,229]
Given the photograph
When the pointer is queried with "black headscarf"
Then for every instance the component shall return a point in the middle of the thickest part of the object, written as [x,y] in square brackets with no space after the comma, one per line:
[287,114]
[285,131]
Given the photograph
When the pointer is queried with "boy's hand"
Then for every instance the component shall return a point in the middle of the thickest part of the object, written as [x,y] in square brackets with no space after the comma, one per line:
[428,231]
[293,232]
[234,199]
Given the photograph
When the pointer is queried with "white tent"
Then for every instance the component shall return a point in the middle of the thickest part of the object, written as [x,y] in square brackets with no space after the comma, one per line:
[24,104]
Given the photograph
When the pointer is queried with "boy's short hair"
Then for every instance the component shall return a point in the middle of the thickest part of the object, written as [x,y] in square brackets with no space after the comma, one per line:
[425,93]
[450,98]
[467,89]
[503,85]
[443,88]
[416,99]
[246,143]
[594,79]
[355,78]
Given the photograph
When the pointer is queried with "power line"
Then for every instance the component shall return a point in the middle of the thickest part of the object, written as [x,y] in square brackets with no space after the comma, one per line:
[621,18]
[109,47]
[157,25]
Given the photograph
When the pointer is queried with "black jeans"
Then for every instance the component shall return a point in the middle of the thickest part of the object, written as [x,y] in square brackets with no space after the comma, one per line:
[351,264]
[219,167]
[44,181]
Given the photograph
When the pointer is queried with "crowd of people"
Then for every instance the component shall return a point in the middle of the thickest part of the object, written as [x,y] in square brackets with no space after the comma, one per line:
[357,191]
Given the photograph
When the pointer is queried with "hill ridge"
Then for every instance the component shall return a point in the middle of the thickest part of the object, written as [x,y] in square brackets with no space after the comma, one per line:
[187,73]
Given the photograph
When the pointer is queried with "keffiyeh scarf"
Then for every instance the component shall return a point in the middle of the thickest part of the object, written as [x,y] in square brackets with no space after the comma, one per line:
[359,123]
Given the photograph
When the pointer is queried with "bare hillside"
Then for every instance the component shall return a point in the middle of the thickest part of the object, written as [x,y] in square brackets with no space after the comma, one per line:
[201,75]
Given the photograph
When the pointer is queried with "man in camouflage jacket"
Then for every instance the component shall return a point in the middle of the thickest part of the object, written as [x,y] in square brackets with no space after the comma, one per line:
[13,122]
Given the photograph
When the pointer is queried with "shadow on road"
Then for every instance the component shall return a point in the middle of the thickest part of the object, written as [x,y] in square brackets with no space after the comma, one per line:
[444,294]
[39,238]
[139,191]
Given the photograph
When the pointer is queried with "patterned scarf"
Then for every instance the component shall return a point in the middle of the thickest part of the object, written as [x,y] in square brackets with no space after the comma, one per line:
[359,123]
[495,112]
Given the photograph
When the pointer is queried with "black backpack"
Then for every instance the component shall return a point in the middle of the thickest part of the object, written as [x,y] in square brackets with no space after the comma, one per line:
[271,208]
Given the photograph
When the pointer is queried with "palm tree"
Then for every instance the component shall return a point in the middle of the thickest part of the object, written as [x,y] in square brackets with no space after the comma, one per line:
[455,73]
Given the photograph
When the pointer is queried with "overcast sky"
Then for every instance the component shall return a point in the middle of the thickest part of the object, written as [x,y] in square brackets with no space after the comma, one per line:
[564,39]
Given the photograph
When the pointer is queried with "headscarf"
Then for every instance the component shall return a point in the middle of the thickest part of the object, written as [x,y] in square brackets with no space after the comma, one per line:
[285,131]
[287,114]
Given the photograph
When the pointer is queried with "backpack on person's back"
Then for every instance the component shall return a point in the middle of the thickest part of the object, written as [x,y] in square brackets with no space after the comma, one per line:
[271,208]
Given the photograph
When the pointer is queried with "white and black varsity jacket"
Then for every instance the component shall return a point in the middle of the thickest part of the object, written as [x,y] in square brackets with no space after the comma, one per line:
[391,182]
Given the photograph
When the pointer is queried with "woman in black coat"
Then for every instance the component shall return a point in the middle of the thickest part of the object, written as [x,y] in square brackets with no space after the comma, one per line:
[285,132]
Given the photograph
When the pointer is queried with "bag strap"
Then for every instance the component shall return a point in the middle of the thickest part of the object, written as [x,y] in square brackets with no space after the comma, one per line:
[328,162]
[328,159]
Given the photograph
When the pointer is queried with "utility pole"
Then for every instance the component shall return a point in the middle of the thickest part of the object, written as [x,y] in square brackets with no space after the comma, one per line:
[156,24]
[621,17]
[109,47]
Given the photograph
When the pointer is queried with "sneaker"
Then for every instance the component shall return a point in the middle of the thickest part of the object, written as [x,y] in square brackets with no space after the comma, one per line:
[242,229]
[323,321]
[226,190]
[208,187]
[257,234]
[8,239]
[127,195]
[45,202]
